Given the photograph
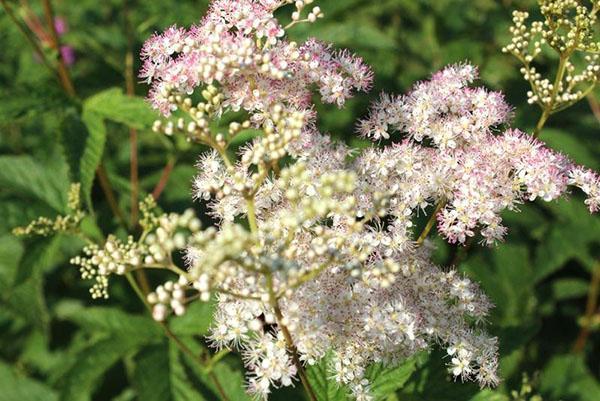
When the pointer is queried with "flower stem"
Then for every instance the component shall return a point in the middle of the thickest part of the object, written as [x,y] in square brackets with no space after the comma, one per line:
[110,195]
[549,108]
[252,215]
[288,339]
[63,72]
[164,178]
[430,223]
[592,304]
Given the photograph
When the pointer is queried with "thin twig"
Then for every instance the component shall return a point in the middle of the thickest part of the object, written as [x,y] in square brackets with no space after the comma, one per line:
[595,106]
[164,178]
[430,223]
[110,196]
[30,39]
[63,72]
[590,310]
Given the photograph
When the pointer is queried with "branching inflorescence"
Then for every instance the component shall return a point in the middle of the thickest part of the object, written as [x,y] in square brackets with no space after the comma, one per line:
[315,252]
[567,28]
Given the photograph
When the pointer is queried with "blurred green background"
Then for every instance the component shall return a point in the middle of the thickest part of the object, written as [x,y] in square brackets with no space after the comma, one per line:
[58,344]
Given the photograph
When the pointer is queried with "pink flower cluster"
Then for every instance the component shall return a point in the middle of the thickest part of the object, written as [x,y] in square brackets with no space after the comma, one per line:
[453,157]
[240,46]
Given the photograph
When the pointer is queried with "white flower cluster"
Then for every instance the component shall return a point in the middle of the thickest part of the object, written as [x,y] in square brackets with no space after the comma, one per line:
[317,272]
[314,253]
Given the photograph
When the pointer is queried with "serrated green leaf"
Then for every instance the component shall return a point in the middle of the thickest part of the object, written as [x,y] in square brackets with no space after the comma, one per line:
[16,387]
[387,380]
[570,145]
[73,138]
[81,380]
[27,301]
[227,375]
[506,276]
[111,104]
[326,389]
[433,382]
[245,136]
[92,154]
[114,105]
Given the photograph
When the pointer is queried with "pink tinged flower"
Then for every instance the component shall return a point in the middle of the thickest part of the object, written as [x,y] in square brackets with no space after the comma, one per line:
[60,24]
[589,183]
[68,54]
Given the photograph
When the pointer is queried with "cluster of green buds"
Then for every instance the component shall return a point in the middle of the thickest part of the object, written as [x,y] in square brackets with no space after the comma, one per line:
[568,28]
[67,223]
[297,14]
[163,234]
[280,127]
[196,123]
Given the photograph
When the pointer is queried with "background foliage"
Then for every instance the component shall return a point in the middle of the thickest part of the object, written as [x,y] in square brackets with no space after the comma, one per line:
[58,344]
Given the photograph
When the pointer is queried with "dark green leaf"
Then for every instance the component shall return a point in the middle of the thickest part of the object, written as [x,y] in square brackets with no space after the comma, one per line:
[16,387]
[320,378]
[108,320]
[24,176]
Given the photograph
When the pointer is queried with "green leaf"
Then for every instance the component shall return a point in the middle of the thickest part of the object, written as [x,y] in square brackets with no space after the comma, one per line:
[82,378]
[245,136]
[387,380]
[16,387]
[41,254]
[574,236]
[26,301]
[11,251]
[228,373]
[112,104]
[570,145]
[160,376]
[109,320]
[567,288]
[326,389]
[195,321]
[506,276]
[24,176]
[73,138]
[433,382]
[92,154]
[567,377]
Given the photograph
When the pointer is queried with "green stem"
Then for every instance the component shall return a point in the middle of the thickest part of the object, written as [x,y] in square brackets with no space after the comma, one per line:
[430,223]
[252,216]
[549,108]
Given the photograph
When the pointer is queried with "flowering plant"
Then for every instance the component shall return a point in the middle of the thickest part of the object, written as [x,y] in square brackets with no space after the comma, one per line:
[320,256]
